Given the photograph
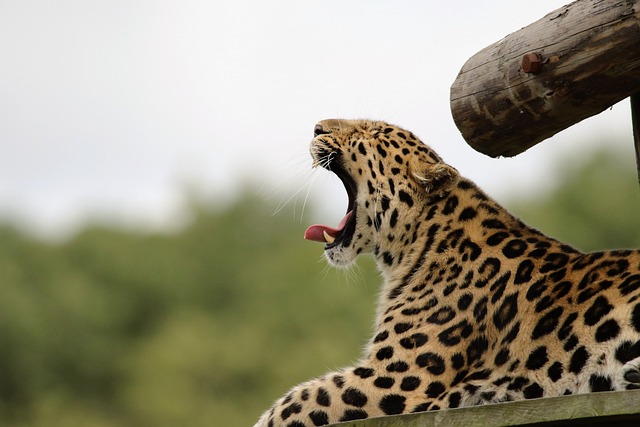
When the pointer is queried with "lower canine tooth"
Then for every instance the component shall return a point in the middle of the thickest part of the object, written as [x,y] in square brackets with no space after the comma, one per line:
[328,238]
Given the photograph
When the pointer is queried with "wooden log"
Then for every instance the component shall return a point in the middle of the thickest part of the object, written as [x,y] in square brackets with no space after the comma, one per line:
[573,63]
[635,123]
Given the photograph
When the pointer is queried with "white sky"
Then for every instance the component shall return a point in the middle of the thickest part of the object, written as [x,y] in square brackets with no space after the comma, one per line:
[111,108]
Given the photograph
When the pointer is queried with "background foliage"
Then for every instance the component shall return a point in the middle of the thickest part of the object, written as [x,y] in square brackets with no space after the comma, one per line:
[208,325]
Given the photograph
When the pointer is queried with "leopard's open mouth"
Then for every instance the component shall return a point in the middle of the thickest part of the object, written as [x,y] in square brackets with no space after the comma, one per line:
[343,233]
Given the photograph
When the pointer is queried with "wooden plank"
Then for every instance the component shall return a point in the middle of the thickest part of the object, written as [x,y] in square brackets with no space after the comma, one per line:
[575,62]
[602,409]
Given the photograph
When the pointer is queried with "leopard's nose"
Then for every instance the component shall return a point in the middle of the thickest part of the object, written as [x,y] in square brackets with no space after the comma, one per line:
[319,130]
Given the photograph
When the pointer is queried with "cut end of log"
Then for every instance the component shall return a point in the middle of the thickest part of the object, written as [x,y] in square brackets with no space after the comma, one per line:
[574,63]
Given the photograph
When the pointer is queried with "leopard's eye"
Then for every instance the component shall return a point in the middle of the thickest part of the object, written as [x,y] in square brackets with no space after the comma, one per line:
[318,130]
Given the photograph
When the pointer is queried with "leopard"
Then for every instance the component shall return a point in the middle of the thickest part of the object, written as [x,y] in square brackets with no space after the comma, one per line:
[475,307]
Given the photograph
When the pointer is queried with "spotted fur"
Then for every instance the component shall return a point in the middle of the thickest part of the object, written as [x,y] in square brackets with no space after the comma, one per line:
[476,307]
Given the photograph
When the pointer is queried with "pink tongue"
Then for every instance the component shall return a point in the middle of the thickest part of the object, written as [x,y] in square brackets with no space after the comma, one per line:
[315,232]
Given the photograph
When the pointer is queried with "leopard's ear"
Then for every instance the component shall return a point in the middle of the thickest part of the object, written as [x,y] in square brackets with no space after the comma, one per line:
[434,177]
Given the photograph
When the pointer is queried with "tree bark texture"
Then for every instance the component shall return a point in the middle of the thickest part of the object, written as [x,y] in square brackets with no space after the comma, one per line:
[573,63]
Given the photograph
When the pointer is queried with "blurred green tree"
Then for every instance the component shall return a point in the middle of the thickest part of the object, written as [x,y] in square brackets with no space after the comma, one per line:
[594,205]
[115,328]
